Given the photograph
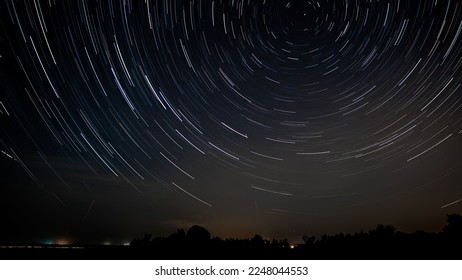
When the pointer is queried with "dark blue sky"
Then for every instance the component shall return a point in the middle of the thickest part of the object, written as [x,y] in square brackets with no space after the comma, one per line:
[282,118]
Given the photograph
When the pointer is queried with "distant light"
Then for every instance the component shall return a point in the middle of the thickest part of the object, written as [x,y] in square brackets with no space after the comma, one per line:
[292,246]
[48,242]
[62,241]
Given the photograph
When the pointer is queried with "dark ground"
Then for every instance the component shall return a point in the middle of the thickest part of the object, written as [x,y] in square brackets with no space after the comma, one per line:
[381,243]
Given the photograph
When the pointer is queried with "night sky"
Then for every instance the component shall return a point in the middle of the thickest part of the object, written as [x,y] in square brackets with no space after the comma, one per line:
[283,118]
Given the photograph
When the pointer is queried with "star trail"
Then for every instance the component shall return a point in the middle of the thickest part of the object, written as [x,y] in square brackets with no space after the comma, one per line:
[281,117]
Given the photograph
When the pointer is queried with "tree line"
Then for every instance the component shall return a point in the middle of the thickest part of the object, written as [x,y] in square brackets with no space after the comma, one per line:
[382,242]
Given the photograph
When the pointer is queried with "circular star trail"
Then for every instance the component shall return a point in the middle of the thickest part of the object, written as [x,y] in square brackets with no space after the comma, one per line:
[242,115]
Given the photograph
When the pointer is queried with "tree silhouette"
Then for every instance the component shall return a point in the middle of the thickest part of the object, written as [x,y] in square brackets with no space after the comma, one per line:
[178,236]
[382,242]
[198,234]
[454,225]
[257,241]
